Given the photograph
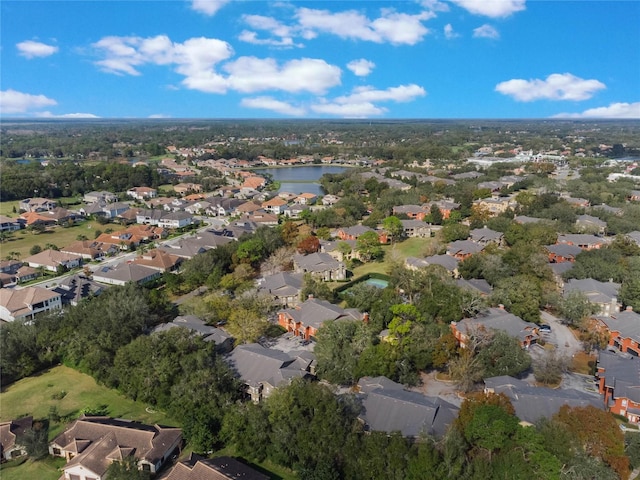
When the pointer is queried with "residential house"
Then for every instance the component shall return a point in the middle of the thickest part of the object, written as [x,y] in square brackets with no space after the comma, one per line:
[577,202]
[562,253]
[185,188]
[634,237]
[295,211]
[55,216]
[90,444]
[477,285]
[634,196]
[222,207]
[352,233]
[590,224]
[158,202]
[485,236]
[602,294]
[176,220]
[254,182]
[582,240]
[149,217]
[462,249]
[37,205]
[90,249]
[96,197]
[492,186]
[124,273]
[248,208]
[222,340]
[122,240]
[448,262]
[624,330]
[618,377]
[262,218]
[306,319]
[320,265]
[52,260]
[335,249]
[27,302]
[414,212]
[159,260]
[388,407]
[275,205]
[9,224]
[533,404]
[495,205]
[10,434]
[445,207]
[495,319]
[418,229]
[283,287]
[306,198]
[142,193]
[106,210]
[523,219]
[26,274]
[10,266]
[330,200]
[75,288]
[217,468]
[199,207]
[264,369]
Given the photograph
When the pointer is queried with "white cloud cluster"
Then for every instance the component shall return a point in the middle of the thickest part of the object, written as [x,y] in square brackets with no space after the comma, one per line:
[486,31]
[491,8]
[31,49]
[273,105]
[361,67]
[197,59]
[557,86]
[208,7]
[360,103]
[12,101]
[390,27]
[48,114]
[614,110]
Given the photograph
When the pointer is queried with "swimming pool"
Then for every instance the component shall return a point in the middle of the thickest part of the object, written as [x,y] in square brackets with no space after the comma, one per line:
[376,282]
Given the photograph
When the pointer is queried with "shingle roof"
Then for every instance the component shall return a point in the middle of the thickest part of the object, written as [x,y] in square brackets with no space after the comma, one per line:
[218,468]
[256,364]
[19,300]
[314,312]
[626,322]
[595,291]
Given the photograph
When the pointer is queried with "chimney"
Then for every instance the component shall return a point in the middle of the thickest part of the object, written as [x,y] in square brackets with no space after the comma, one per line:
[310,297]
[501,306]
[365,317]
[629,308]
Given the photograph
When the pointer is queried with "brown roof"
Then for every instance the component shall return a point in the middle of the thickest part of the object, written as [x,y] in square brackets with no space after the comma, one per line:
[219,468]
[158,259]
[51,258]
[84,247]
[18,301]
[274,202]
[111,438]
[249,207]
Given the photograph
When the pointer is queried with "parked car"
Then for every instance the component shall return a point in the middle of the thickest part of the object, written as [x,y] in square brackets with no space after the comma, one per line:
[545,327]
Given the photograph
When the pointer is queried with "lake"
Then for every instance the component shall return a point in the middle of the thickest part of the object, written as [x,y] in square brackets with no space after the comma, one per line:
[300,179]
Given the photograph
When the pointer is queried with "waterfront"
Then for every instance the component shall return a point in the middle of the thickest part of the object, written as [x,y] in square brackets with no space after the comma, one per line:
[300,179]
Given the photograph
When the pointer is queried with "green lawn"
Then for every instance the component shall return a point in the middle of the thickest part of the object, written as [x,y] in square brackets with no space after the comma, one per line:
[6,208]
[45,469]
[37,394]
[411,247]
[22,240]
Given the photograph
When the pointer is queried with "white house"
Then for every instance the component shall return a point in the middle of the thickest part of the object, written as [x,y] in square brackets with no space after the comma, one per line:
[176,220]
[27,302]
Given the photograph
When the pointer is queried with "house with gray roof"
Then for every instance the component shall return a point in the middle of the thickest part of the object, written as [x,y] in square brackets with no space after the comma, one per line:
[635,237]
[283,287]
[602,294]
[496,319]
[485,236]
[590,224]
[320,265]
[306,319]
[534,403]
[222,340]
[449,263]
[462,249]
[583,240]
[478,285]
[388,407]
[124,273]
[523,219]
[418,228]
[624,330]
[562,252]
[102,196]
[75,288]
[264,369]
[618,377]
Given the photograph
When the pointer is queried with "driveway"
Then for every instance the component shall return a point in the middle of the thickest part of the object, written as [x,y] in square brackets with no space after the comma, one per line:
[561,336]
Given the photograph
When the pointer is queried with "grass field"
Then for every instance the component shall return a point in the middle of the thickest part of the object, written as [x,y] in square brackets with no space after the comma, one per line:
[45,469]
[6,208]
[411,247]
[37,394]
[22,240]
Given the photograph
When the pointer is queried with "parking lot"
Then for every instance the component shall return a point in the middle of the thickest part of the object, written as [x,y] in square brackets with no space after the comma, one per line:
[287,342]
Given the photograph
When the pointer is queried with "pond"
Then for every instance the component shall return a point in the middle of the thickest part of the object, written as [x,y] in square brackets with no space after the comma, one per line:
[300,179]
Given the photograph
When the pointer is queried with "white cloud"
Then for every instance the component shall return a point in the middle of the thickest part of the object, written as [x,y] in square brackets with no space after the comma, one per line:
[614,110]
[12,101]
[392,27]
[361,67]
[362,101]
[159,115]
[48,114]
[434,5]
[486,31]
[448,32]
[348,110]
[251,74]
[270,103]
[252,37]
[491,8]
[557,86]
[274,27]
[31,49]
[208,7]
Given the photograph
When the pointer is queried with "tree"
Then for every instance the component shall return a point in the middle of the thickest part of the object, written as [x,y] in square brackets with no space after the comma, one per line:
[35,441]
[35,250]
[575,307]
[630,293]
[126,469]
[289,232]
[368,246]
[393,226]
[453,232]
[549,368]
[308,245]
[435,215]
[246,325]
[503,356]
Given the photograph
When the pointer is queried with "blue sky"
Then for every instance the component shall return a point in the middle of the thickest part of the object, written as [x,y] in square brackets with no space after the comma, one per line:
[347,59]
